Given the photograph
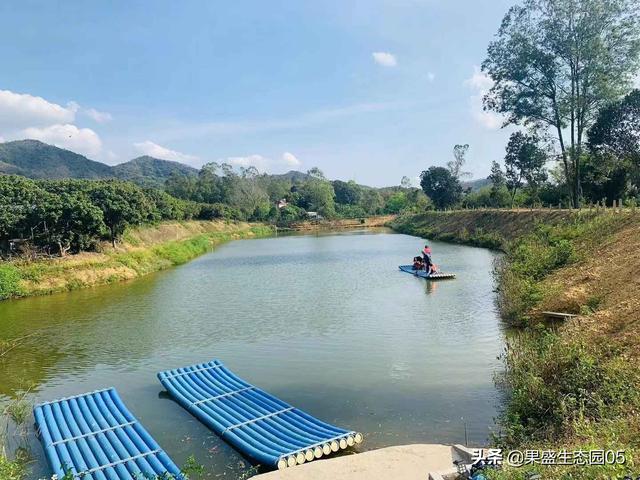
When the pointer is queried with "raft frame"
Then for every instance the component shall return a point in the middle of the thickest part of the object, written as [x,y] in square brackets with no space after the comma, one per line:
[256,423]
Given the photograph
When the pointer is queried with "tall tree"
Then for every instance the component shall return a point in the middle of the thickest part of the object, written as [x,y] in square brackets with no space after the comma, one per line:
[524,162]
[613,168]
[441,187]
[554,63]
[498,183]
[459,159]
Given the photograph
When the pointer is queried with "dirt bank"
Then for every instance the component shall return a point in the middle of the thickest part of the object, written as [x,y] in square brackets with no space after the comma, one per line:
[345,223]
[143,250]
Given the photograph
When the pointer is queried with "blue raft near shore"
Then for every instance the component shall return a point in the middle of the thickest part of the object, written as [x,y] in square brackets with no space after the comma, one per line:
[256,423]
[423,273]
[95,437]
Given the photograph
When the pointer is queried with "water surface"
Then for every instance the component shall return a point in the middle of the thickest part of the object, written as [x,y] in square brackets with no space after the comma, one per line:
[328,323]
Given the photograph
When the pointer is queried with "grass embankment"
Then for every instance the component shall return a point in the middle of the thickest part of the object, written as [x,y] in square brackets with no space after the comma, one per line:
[576,385]
[142,251]
[343,223]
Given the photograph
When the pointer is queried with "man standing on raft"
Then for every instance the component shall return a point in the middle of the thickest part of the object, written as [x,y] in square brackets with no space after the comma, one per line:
[429,267]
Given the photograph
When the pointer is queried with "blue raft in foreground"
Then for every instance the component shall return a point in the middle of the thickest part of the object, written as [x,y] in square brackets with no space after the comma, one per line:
[423,273]
[95,437]
[256,423]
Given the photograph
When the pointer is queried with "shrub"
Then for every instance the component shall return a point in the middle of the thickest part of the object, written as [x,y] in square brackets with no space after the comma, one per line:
[9,281]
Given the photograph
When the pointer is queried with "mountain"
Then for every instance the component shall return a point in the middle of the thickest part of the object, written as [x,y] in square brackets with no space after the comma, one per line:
[149,171]
[293,175]
[477,184]
[35,159]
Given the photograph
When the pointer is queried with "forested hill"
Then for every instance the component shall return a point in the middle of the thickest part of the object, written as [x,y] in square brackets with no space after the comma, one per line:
[151,172]
[35,159]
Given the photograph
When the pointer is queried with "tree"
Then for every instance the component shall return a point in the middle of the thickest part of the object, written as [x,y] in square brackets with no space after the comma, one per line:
[612,170]
[524,162]
[347,193]
[459,159]
[498,185]
[122,204]
[396,203]
[554,63]
[371,201]
[316,173]
[616,130]
[405,182]
[318,195]
[441,186]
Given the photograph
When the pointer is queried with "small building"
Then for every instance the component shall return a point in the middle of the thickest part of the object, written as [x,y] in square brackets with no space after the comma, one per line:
[282,203]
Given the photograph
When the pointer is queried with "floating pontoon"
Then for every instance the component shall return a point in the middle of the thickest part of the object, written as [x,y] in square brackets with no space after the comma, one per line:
[423,274]
[256,423]
[95,437]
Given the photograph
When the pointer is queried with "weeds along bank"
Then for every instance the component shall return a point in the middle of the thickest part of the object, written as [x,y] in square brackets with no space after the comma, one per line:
[573,385]
[143,250]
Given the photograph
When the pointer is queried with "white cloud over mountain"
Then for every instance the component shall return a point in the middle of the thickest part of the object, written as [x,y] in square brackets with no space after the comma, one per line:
[158,151]
[23,115]
[70,137]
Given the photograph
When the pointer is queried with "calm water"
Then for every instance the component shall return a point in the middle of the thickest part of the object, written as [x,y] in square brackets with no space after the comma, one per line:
[327,322]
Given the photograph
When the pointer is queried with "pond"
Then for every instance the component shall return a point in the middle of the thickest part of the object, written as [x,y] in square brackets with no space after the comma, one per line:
[326,322]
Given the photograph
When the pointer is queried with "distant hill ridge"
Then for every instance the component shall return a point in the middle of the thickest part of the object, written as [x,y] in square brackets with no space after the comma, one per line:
[35,159]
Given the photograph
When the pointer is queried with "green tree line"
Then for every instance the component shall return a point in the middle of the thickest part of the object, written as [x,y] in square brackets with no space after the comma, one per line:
[262,197]
[60,216]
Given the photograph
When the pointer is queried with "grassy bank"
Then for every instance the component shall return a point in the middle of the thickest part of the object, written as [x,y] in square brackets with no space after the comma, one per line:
[142,251]
[574,385]
[343,223]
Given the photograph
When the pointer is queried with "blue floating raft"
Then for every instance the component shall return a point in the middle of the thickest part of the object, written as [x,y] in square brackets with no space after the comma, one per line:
[423,273]
[95,437]
[256,423]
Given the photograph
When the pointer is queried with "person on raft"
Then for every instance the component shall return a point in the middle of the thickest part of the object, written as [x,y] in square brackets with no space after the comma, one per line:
[429,266]
[418,264]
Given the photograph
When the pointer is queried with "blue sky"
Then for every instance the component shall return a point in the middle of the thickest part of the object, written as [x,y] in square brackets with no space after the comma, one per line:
[367,90]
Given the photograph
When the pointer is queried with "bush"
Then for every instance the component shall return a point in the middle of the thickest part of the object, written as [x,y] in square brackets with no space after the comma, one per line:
[557,382]
[9,282]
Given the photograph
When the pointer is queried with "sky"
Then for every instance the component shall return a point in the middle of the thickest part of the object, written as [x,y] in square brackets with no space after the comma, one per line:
[366,90]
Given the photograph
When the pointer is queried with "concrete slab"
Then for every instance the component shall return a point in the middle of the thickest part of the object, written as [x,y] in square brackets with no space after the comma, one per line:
[406,462]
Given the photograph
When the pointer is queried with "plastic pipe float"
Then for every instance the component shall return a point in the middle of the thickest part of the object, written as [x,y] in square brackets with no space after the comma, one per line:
[423,273]
[95,437]
[256,423]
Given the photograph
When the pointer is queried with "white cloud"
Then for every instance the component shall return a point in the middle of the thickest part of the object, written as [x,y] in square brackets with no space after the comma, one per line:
[20,110]
[79,140]
[290,159]
[158,151]
[97,116]
[480,83]
[431,76]
[265,164]
[385,59]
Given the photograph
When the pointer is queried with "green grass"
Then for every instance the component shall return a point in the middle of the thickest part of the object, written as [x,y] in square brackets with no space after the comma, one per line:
[11,470]
[9,281]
